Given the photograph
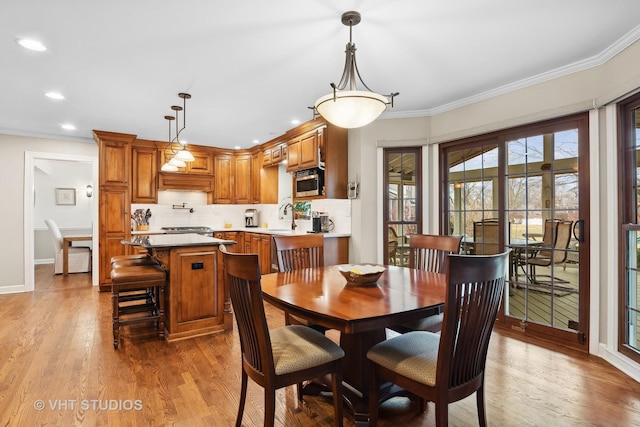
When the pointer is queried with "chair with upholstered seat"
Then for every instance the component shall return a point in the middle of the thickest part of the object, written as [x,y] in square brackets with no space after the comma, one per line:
[429,252]
[450,366]
[295,253]
[79,257]
[278,357]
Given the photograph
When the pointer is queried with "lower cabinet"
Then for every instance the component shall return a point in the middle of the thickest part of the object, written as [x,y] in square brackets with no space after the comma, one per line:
[195,296]
[259,243]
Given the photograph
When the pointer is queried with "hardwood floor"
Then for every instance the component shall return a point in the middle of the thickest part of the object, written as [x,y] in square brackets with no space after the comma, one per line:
[57,350]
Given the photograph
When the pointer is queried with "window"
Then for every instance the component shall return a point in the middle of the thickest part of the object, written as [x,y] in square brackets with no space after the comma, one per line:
[629,178]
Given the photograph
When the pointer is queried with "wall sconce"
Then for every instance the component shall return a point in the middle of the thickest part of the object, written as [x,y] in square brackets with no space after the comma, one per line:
[88,190]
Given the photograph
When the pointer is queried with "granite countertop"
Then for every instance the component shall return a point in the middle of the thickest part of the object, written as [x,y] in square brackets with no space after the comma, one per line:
[152,241]
[272,231]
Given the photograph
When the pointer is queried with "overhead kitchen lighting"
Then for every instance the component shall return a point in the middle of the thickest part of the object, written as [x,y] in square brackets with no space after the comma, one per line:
[32,44]
[54,95]
[178,149]
[352,108]
[67,126]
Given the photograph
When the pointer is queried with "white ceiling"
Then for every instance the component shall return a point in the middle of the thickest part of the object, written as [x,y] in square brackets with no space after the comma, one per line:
[252,66]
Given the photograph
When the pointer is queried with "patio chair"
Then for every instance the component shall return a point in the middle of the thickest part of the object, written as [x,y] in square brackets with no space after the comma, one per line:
[552,252]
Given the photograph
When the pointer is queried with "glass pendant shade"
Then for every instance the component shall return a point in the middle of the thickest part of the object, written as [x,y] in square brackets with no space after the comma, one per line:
[184,155]
[351,108]
[177,163]
[168,168]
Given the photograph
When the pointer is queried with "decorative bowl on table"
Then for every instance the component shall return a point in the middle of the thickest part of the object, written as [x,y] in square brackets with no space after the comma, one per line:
[361,274]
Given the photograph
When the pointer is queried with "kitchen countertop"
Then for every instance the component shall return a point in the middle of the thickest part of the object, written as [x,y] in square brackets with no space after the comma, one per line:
[153,241]
[272,231]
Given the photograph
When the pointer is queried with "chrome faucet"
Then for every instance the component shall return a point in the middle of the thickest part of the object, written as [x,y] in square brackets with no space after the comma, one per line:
[293,215]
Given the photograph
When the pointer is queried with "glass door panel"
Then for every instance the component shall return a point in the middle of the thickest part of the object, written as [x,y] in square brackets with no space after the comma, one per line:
[524,188]
[403,204]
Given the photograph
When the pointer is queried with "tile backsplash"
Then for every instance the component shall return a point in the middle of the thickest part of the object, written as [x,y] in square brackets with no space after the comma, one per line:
[215,216]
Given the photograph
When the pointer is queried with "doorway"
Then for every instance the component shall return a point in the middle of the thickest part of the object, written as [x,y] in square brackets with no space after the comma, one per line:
[29,214]
[526,189]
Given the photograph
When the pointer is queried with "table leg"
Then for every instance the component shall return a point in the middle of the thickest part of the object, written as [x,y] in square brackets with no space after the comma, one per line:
[65,257]
[356,371]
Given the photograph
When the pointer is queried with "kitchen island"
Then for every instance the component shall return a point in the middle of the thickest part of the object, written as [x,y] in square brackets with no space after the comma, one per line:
[196,298]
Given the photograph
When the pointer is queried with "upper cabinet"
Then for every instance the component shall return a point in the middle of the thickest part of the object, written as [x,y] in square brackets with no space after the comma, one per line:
[203,163]
[242,179]
[303,152]
[114,155]
[223,178]
[144,172]
[319,144]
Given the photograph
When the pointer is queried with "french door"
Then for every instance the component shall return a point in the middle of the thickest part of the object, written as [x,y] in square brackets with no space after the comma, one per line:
[526,189]
[402,201]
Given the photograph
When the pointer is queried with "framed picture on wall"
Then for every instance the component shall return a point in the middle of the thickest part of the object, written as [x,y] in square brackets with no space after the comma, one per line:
[65,196]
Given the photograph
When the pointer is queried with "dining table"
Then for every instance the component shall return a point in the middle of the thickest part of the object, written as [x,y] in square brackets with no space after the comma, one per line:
[67,242]
[362,314]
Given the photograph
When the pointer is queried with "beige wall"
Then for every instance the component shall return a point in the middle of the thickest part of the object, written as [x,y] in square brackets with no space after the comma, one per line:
[587,90]
[12,193]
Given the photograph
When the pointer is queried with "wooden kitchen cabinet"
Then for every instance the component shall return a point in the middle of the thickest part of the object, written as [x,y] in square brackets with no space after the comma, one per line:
[114,210]
[256,167]
[259,243]
[303,152]
[202,164]
[242,179]
[195,296]
[223,178]
[236,236]
[144,188]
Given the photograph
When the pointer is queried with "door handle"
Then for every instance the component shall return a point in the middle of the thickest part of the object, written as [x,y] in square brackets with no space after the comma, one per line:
[579,224]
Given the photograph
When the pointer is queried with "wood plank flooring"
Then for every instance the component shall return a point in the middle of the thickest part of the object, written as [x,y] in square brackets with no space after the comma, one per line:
[57,351]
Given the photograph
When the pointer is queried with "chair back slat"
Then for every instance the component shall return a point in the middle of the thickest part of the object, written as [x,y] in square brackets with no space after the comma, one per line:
[243,281]
[298,252]
[429,252]
[475,288]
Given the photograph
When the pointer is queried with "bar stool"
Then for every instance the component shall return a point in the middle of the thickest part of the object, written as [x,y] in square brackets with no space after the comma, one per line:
[142,299]
[132,260]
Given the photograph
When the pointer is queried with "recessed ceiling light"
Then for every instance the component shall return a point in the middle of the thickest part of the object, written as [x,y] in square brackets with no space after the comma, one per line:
[68,126]
[32,45]
[54,95]
[295,122]
[255,141]
[237,147]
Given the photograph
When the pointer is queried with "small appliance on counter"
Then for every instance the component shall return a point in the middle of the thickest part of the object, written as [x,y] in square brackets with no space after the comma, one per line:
[320,222]
[251,218]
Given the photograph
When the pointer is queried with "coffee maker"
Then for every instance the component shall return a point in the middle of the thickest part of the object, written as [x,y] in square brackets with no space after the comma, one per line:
[251,218]
[320,222]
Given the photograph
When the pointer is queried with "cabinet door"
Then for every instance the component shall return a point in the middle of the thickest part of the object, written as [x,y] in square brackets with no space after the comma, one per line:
[145,163]
[115,225]
[223,179]
[309,150]
[302,152]
[202,163]
[266,157]
[256,167]
[242,179]
[293,155]
[114,162]
[265,253]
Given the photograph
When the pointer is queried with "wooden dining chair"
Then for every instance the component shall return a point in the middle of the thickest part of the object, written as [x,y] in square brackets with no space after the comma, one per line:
[295,253]
[429,252]
[279,357]
[450,366]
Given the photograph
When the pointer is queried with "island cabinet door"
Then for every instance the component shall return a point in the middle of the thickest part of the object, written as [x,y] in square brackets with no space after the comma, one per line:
[196,292]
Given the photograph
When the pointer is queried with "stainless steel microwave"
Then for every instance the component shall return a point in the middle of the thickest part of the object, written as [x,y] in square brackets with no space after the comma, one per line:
[309,182]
